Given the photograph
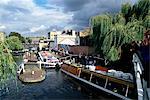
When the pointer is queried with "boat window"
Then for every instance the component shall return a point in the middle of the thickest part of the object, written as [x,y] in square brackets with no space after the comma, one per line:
[117,88]
[85,76]
[99,81]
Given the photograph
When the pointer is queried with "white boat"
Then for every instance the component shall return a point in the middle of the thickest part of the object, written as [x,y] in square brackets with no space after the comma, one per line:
[49,60]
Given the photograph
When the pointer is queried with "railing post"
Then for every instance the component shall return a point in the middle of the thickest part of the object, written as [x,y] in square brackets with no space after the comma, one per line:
[79,72]
[23,67]
[91,77]
[106,83]
[40,64]
[127,91]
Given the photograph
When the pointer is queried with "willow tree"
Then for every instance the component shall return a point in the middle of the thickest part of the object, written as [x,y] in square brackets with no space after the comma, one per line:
[126,11]
[100,27]
[146,21]
[7,65]
[138,11]
[119,18]
[142,8]
[111,32]
[120,34]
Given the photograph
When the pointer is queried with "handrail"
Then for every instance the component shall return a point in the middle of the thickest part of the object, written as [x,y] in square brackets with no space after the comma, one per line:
[40,56]
[21,67]
[138,68]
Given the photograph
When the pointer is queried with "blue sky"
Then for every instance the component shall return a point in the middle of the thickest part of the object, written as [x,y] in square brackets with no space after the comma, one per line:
[38,17]
[41,2]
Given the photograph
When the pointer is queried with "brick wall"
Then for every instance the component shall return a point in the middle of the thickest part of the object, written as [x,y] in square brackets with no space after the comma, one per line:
[85,50]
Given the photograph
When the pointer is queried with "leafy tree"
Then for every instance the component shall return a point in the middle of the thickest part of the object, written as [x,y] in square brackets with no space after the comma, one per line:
[146,22]
[111,32]
[14,43]
[29,40]
[100,26]
[21,38]
[126,11]
[7,65]
[138,10]
[121,34]
[119,18]
[142,8]
[113,54]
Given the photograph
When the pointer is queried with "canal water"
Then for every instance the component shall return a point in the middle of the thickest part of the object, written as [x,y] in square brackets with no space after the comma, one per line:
[57,85]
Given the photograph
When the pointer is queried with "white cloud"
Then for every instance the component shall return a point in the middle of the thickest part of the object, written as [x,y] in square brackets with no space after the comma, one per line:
[2,27]
[4,1]
[26,16]
[35,29]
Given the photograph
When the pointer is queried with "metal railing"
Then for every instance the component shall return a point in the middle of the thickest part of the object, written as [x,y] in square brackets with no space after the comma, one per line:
[140,82]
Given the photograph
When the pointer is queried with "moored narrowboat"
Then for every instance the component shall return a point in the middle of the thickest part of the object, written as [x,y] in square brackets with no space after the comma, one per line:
[117,84]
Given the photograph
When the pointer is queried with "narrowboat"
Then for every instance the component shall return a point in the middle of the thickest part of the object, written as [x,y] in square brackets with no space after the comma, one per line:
[112,82]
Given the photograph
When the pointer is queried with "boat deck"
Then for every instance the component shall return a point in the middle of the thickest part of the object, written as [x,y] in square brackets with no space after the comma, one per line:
[102,75]
[101,80]
[110,78]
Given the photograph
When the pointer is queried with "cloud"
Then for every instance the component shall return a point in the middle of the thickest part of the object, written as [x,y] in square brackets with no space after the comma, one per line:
[33,17]
[74,5]
[4,1]
[83,10]
[2,27]
[26,16]
[35,29]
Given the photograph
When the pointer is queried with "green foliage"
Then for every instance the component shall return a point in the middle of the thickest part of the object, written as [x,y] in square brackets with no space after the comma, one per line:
[119,18]
[7,64]
[29,40]
[138,11]
[14,43]
[147,21]
[126,11]
[111,32]
[142,8]
[21,38]
[113,54]
[100,26]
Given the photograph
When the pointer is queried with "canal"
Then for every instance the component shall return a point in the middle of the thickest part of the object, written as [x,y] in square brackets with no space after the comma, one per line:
[57,85]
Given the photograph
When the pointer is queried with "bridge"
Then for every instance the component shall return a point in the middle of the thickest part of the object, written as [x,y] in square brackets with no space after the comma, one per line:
[30,45]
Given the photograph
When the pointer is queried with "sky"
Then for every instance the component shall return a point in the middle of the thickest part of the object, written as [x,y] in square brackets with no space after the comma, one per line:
[38,17]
